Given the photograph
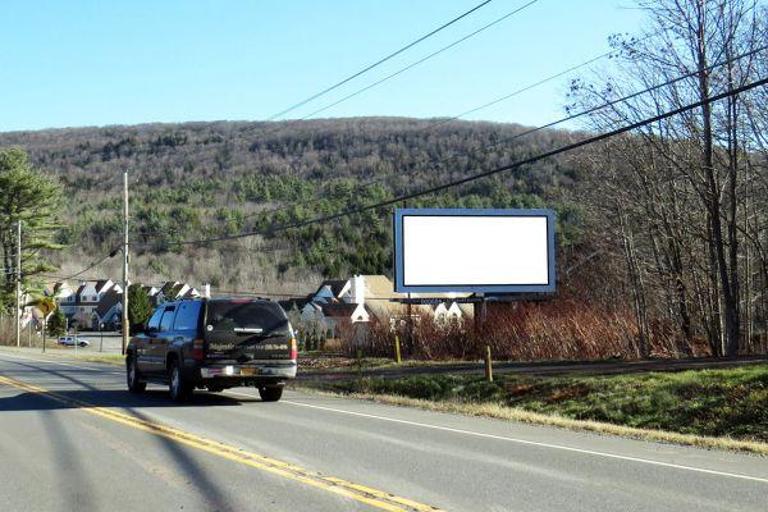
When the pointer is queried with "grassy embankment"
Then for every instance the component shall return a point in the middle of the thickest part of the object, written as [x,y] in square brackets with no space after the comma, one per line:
[713,408]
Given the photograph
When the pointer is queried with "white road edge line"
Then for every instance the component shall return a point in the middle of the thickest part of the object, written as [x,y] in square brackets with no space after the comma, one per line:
[532,443]
[480,434]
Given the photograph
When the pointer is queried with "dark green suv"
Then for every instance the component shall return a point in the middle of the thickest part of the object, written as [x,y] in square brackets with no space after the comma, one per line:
[214,344]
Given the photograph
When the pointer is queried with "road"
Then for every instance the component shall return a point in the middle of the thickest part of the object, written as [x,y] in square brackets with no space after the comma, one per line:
[109,342]
[71,438]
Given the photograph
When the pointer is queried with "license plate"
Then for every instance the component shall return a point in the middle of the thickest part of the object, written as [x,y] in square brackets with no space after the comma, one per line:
[249,372]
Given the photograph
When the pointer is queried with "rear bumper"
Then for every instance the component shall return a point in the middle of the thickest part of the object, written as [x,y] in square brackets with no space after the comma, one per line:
[253,369]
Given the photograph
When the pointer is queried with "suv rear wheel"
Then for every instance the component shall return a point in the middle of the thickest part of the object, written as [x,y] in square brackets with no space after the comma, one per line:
[135,384]
[270,393]
[178,387]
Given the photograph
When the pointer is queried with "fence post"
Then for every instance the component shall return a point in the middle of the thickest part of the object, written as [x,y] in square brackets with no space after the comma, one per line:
[359,357]
[398,358]
[488,364]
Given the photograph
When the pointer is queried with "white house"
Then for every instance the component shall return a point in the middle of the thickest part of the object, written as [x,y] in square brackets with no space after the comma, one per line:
[65,297]
[450,311]
[87,299]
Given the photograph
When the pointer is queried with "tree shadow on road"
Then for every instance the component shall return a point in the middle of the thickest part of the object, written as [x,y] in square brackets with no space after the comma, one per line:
[44,402]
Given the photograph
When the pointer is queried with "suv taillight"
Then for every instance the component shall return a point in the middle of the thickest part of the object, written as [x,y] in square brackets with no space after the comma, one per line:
[197,350]
[294,349]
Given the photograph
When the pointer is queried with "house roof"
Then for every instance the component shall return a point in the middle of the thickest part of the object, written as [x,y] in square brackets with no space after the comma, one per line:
[168,286]
[380,286]
[299,303]
[107,302]
[335,285]
[338,310]
[191,293]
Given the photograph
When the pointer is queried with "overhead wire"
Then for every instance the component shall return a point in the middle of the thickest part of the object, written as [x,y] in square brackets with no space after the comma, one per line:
[421,61]
[591,110]
[454,183]
[551,124]
[379,62]
[472,178]
[96,263]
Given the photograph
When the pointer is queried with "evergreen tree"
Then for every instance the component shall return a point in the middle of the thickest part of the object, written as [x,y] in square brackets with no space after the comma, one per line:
[57,323]
[29,196]
[139,306]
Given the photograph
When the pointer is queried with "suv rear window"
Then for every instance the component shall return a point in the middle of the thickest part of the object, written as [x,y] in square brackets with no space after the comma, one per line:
[167,321]
[154,321]
[246,317]
[186,317]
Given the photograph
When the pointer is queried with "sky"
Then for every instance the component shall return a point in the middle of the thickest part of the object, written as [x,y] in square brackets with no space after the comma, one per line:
[95,63]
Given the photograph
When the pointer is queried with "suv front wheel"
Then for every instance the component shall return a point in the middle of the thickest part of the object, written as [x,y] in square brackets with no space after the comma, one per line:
[135,384]
[178,387]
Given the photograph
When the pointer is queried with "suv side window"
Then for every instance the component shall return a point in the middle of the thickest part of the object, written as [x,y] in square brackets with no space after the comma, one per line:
[154,321]
[167,321]
[187,316]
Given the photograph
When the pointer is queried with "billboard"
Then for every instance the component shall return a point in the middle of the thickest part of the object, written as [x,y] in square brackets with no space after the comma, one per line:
[468,250]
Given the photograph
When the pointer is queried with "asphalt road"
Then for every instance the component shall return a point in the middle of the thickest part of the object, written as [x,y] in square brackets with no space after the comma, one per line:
[108,341]
[72,438]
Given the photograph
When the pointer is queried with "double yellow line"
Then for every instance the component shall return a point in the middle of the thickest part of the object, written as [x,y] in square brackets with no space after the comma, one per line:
[375,498]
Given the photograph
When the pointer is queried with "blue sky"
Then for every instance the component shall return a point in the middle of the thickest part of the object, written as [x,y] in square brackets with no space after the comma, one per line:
[84,63]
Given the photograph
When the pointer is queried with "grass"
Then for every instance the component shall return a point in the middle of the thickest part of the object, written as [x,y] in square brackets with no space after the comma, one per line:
[310,362]
[114,359]
[730,405]
[59,352]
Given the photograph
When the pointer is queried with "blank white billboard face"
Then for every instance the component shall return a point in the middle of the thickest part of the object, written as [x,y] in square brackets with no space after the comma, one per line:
[474,250]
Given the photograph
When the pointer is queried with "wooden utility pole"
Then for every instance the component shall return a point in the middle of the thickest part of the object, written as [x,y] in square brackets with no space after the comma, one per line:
[125,325]
[18,283]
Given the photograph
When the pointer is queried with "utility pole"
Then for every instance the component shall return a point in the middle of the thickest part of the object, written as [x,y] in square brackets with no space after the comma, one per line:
[18,283]
[125,325]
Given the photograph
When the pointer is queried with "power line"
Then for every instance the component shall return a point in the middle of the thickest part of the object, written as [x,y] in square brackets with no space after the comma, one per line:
[96,263]
[422,60]
[485,174]
[521,90]
[379,62]
[570,117]
[506,141]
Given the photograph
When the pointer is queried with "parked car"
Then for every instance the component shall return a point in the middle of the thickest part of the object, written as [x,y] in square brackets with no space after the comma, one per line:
[71,341]
[214,344]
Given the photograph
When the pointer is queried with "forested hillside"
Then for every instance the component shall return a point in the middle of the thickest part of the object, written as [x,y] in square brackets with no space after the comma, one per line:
[198,180]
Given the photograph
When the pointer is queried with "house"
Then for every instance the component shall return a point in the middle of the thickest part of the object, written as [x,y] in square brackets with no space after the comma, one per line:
[151,292]
[174,290]
[294,306]
[87,298]
[110,309]
[333,317]
[330,290]
[66,297]
[452,311]
[378,294]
